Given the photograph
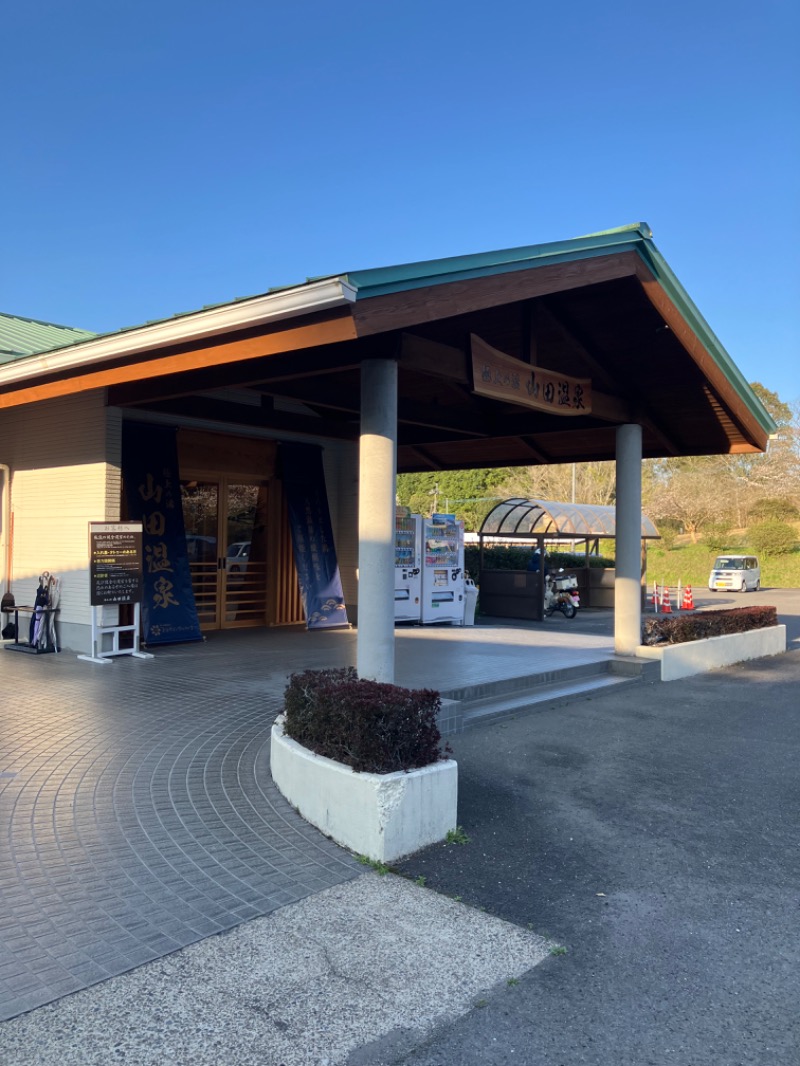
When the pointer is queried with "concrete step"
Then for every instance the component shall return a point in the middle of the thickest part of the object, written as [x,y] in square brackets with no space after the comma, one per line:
[477,704]
[509,686]
[485,710]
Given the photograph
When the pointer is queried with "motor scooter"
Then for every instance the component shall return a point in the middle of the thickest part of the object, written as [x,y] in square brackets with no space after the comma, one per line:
[561,594]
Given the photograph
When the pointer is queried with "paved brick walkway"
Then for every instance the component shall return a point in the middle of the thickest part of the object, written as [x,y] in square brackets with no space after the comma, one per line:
[137,818]
[136,805]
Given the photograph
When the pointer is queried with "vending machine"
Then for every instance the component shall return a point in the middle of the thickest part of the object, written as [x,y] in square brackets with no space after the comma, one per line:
[443,569]
[407,567]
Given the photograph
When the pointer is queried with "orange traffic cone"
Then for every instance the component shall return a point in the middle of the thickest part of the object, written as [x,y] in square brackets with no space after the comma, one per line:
[688,599]
[666,606]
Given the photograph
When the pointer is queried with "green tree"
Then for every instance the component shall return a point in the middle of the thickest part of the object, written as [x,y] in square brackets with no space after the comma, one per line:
[469,494]
[772,538]
[774,473]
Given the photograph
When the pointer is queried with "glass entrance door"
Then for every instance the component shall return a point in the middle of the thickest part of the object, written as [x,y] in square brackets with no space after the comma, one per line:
[244,584]
[226,540]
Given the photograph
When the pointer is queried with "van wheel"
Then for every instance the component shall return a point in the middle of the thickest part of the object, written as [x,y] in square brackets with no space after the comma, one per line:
[744,586]
[758,587]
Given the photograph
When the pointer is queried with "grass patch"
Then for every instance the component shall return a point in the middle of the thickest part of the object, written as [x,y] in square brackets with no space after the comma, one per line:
[379,867]
[690,564]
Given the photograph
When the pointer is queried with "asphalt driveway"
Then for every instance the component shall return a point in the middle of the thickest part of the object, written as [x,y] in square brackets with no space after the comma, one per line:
[654,831]
[650,830]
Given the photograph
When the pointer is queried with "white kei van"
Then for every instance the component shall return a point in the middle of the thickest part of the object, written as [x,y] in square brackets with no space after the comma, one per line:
[735,573]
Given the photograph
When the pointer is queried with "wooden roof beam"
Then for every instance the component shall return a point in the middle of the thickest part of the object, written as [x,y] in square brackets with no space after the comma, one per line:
[211,410]
[634,409]
[423,455]
[433,359]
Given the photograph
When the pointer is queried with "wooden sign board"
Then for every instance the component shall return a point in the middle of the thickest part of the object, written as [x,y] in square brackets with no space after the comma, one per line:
[501,377]
[115,562]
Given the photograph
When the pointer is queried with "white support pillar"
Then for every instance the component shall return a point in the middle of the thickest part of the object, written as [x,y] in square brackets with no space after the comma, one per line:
[376,519]
[628,583]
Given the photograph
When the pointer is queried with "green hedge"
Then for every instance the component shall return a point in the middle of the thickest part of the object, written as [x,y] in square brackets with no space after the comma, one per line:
[516,557]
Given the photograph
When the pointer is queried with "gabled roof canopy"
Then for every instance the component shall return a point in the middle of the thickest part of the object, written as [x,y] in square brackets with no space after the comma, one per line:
[603,309]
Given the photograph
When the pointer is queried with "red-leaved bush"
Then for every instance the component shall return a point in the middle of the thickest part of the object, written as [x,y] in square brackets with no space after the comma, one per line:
[368,725]
[680,628]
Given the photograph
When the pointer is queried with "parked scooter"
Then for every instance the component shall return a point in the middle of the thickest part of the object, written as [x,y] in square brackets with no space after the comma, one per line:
[561,594]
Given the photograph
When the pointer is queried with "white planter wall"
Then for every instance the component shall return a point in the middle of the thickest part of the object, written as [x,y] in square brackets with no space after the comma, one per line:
[382,816]
[697,656]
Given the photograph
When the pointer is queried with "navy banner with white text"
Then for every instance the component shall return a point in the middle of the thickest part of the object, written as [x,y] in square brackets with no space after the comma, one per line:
[153,493]
[312,536]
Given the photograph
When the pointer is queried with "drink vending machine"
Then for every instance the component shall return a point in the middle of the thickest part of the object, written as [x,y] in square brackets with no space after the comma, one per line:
[443,569]
[407,567]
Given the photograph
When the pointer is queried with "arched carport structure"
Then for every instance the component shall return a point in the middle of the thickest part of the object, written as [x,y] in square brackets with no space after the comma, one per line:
[540,521]
[552,519]
[587,349]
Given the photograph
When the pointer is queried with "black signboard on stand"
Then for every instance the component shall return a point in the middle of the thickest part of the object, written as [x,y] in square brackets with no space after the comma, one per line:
[115,562]
[115,572]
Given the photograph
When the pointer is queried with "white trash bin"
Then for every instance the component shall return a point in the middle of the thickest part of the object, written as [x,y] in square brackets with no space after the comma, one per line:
[470,599]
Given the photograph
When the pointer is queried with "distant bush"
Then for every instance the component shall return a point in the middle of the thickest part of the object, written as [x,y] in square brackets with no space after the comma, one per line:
[517,557]
[681,628]
[368,725]
[717,537]
[669,534]
[774,508]
[772,538]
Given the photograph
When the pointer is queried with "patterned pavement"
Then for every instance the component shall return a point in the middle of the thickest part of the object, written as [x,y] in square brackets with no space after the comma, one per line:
[137,808]
[138,818]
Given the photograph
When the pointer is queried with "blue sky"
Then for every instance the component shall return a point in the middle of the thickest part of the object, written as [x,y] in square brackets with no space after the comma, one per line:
[161,156]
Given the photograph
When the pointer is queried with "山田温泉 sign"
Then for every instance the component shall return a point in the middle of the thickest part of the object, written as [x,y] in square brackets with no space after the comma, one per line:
[501,377]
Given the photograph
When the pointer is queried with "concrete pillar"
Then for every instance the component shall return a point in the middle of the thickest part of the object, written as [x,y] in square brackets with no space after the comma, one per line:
[628,584]
[376,519]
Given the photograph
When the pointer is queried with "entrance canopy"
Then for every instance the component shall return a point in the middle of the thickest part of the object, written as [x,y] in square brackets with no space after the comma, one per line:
[526,356]
[522,518]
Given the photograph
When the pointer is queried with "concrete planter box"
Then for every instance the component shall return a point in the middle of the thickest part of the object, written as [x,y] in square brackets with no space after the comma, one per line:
[697,656]
[382,816]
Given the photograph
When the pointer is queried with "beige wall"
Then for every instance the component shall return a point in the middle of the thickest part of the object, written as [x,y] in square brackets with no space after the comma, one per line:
[65,459]
[64,456]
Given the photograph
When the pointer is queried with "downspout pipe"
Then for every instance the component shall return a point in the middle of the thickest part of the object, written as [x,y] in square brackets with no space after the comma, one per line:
[5,529]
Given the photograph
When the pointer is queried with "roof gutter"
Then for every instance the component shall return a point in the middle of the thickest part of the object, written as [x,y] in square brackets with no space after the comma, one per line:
[244,314]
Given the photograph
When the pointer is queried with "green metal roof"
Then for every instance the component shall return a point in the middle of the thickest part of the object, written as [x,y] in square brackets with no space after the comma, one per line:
[384,280]
[20,337]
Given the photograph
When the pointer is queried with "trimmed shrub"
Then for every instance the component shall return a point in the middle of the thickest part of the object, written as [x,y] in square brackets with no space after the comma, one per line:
[679,629]
[517,556]
[368,725]
[772,538]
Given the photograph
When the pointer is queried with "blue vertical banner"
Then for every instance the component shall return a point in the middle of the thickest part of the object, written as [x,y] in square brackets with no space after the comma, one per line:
[153,492]
[312,535]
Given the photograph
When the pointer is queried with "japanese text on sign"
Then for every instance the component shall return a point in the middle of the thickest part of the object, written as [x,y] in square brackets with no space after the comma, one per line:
[502,377]
[115,562]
